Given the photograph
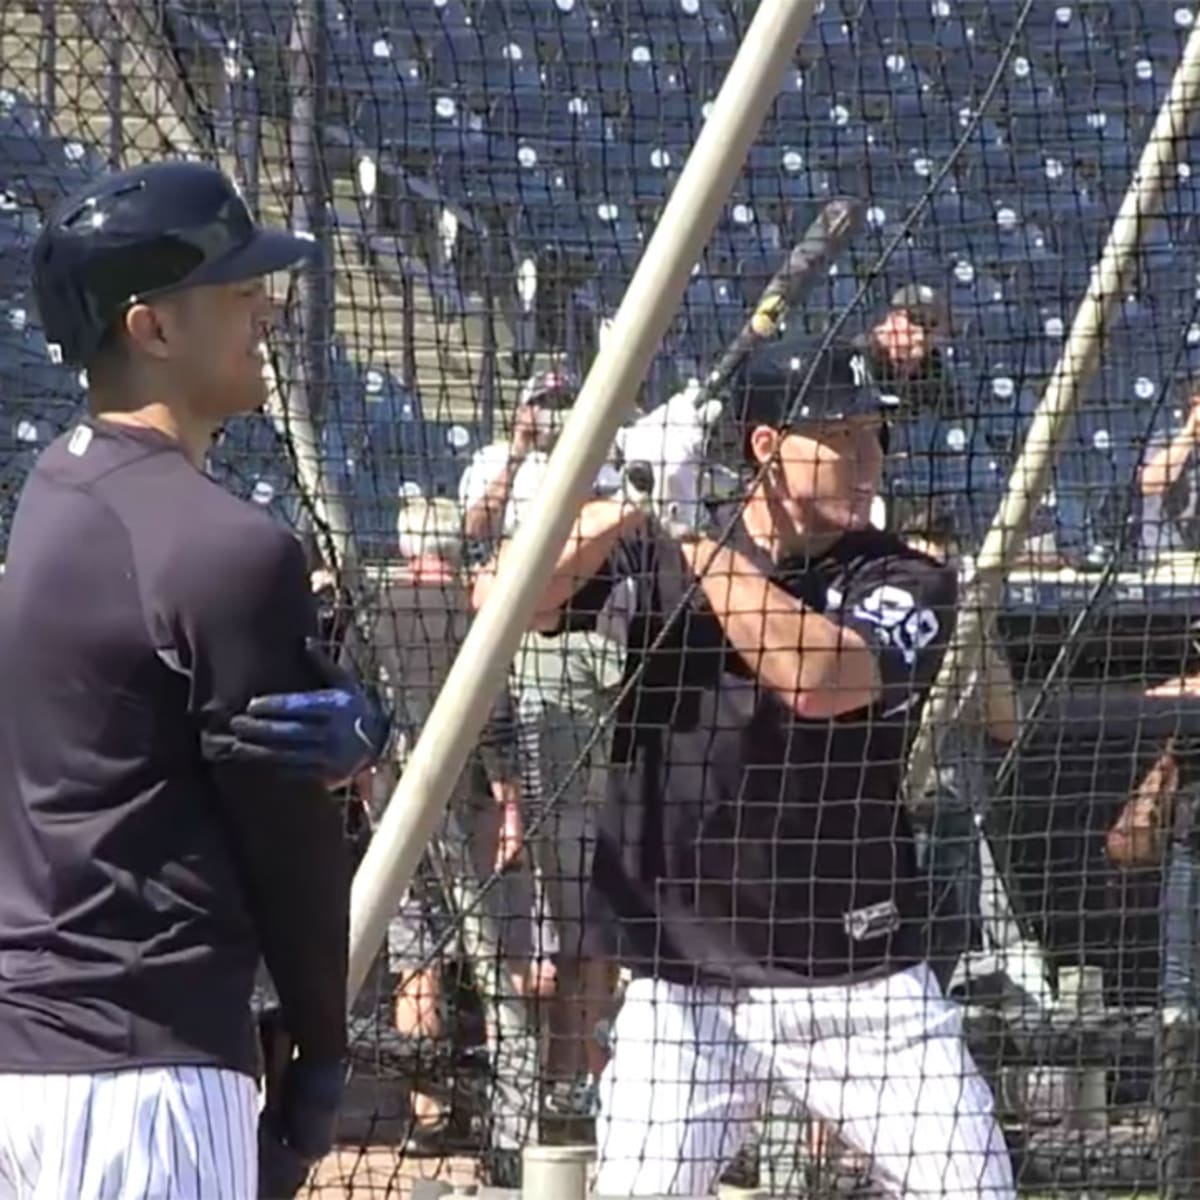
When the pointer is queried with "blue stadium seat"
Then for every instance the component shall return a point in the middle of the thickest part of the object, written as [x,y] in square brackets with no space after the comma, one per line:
[373,66]
[412,120]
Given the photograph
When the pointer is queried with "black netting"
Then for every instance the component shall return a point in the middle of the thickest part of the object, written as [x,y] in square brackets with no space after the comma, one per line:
[484,177]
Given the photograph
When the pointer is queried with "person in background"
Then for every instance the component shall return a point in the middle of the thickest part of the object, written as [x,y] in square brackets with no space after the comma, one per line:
[565,686]
[1159,828]
[906,351]
[1168,491]
[504,475]
[422,622]
[958,798]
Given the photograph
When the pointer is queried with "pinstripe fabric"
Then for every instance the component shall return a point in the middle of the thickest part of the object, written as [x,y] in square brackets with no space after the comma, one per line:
[884,1061]
[154,1133]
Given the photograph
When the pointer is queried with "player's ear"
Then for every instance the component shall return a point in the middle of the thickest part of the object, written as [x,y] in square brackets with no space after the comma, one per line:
[762,443]
[146,331]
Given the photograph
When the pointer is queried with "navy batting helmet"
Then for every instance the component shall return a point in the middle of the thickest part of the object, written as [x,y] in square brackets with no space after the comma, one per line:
[770,389]
[142,233]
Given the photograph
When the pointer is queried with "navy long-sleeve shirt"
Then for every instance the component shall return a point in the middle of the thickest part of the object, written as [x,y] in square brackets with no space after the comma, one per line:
[139,884]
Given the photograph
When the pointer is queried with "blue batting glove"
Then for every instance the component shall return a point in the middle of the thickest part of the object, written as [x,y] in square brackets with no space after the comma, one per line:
[335,731]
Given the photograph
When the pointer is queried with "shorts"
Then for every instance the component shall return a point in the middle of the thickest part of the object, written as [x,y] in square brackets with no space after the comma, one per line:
[461,861]
[562,787]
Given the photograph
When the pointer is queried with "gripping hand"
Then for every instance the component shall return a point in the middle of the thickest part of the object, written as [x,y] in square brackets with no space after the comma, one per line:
[663,456]
[335,731]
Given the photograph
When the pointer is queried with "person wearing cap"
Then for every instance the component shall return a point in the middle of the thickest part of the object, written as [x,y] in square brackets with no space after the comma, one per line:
[906,350]
[503,476]
[167,734]
[950,829]
[563,685]
[755,868]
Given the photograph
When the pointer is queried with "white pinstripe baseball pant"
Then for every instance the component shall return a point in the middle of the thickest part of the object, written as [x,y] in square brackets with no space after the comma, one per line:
[152,1133]
[884,1061]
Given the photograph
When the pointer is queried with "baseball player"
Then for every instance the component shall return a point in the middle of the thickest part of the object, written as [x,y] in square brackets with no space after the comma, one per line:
[755,865]
[152,847]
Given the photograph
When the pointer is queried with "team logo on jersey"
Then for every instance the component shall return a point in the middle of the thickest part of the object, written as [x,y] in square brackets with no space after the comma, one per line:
[900,623]
[873,921]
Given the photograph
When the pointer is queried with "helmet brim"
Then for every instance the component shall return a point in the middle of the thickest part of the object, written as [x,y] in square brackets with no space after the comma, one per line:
[268,251]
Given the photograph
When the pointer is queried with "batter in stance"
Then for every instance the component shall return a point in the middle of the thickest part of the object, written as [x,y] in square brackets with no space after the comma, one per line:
[145,865]
[755,869]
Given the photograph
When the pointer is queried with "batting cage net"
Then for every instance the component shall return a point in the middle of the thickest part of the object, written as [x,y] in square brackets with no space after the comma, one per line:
[941,495]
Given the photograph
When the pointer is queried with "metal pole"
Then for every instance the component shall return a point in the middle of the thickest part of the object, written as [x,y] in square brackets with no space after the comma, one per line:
[1072,374]
[309,204]
[607,396]
[295,405]
[48,58]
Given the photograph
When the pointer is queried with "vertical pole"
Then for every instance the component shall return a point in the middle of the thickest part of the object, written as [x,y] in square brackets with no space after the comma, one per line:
[248,118]
[1081,997]
[408,299]
[1030,475]
[48,56]
[309,207]
[114,51]
[487,367]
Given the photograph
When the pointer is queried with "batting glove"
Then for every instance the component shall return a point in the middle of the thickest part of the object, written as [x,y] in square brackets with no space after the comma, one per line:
[335,731]
[297,1124]
[663,455]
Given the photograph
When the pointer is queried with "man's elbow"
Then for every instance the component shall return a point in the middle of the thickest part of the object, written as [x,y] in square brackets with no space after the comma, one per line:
[848,684]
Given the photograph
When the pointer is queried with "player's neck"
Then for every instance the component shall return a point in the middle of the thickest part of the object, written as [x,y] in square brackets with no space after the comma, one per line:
[781,536]
[194,435]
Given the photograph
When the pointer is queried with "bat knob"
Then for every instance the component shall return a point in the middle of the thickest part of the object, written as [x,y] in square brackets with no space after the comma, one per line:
[641,476]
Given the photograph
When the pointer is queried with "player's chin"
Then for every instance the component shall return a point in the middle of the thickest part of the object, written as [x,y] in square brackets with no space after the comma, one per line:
[246,394]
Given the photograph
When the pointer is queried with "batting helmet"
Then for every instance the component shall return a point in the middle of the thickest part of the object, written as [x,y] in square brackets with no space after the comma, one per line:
[767,391]
[770,390]
[143,233]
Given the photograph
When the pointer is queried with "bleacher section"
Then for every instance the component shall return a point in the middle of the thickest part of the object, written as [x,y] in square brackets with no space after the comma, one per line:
[555,129]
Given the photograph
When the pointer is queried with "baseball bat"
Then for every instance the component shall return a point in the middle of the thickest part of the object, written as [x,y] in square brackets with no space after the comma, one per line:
[830,233]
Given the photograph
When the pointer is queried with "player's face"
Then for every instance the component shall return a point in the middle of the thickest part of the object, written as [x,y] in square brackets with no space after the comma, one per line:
[220,352]
[904,341]
[828,475]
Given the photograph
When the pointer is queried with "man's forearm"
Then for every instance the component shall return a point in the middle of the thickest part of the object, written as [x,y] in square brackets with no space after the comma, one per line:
[288,836]
[817,666]
[1165,465]
[598,528]
[506,791]
[1001,708]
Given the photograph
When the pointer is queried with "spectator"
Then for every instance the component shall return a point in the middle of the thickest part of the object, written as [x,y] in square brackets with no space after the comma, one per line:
[1158,827]
[505,475]
[422,623]
[906,351]
[565,686]
[1169,517]
[958,798]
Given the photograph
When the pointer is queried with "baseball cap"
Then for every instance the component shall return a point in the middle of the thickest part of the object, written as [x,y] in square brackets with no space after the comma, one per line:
[924,304]
[142,233]
[769,390]
[554,388]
